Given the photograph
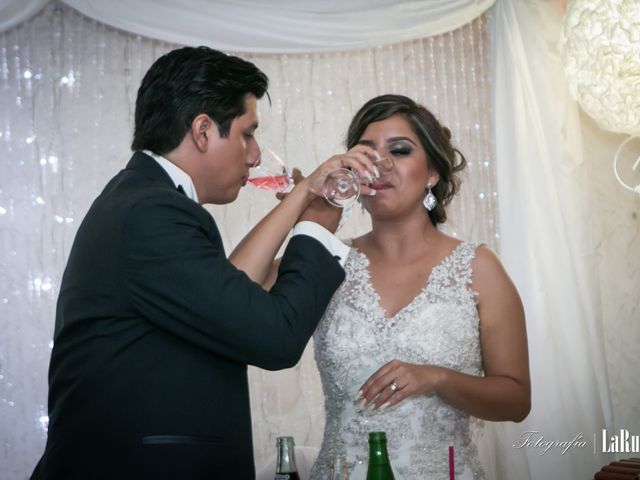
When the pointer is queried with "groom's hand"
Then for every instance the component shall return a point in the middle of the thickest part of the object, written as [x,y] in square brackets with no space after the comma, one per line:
[322,212]
[319,210]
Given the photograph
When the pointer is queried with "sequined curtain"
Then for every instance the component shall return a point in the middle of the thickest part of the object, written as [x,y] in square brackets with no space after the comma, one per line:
[66,108]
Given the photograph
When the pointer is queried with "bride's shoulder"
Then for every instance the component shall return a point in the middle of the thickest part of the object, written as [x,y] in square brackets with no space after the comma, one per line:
[487,268]
[356,242]
[452,243]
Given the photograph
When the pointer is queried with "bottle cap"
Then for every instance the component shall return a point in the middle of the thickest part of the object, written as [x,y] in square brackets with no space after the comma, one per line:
[280,440]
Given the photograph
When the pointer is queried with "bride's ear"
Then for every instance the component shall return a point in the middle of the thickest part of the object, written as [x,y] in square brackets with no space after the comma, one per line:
[433,179]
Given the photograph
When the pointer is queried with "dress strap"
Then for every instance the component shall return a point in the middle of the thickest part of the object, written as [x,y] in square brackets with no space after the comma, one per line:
[461,262]
[454,275]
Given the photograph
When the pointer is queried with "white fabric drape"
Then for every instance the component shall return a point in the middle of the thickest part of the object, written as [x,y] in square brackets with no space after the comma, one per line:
[65,120]
[68,90]
[14,12]
[274,26]
[546,243]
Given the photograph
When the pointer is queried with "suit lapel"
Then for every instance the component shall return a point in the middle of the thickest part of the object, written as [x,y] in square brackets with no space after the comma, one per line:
[147,166]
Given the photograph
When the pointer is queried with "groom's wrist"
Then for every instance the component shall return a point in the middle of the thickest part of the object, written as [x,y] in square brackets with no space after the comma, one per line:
[315,230]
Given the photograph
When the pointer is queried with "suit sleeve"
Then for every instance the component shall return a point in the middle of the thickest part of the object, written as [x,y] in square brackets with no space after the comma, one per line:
[179,279]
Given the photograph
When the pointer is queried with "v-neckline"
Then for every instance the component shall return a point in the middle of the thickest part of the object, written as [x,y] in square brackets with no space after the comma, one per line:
[378,298]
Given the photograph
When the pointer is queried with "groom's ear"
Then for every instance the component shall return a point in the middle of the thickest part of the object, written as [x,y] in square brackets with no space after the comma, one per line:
[203,131]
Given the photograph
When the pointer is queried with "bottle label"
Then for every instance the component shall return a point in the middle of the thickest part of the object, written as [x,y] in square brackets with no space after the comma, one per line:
[287,476]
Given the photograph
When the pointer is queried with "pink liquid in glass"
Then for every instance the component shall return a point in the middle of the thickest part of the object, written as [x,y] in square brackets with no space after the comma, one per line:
[279,182]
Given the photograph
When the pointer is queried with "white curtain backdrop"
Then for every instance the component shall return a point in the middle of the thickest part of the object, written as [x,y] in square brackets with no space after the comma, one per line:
[14,12]
[69,82]
[546,241]
[68,89]
[274,26]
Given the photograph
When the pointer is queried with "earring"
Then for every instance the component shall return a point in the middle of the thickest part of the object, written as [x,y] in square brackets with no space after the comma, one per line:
[430,201]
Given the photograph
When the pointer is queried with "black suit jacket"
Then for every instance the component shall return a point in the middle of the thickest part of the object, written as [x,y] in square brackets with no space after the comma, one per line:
[154,331]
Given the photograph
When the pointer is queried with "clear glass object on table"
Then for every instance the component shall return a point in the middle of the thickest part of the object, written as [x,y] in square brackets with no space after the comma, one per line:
[338,468]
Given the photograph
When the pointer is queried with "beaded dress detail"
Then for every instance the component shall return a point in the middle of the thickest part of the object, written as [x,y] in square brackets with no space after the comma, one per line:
[355,338]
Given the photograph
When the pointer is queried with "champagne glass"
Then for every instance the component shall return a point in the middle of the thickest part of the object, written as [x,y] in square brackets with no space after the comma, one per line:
[271,173]
[341,187]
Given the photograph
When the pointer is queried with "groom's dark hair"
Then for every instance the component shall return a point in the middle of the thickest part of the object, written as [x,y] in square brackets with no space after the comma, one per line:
[187,82]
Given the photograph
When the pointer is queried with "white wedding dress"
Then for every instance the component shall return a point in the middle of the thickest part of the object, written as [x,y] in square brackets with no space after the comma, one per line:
[355,338]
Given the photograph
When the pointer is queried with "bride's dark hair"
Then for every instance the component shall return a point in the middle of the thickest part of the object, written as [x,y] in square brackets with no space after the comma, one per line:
[435,139]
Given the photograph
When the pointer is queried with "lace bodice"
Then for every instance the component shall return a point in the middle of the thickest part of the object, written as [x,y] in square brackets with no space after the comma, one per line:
[354,338]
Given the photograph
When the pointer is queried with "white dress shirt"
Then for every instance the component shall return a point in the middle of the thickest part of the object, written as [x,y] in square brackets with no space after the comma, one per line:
[180,178]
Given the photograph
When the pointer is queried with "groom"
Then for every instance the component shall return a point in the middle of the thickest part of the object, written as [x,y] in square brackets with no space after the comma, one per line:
[154,326]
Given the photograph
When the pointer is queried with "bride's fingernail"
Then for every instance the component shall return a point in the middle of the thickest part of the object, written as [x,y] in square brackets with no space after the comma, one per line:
[362,403]
[376,172]
[385,405]
[359,395]
[371,407]
[372,193]
[368,176]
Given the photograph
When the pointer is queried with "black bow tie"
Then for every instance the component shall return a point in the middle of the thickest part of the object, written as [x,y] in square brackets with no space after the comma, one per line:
[180,189]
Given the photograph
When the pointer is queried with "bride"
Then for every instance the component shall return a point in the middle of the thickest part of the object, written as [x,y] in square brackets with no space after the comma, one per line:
[426,330]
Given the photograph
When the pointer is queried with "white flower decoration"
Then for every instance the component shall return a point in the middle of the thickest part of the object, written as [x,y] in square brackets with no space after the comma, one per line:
[600,46]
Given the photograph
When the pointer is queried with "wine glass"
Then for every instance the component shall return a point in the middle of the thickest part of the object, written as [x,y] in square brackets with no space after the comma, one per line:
[271,173]
[341,187]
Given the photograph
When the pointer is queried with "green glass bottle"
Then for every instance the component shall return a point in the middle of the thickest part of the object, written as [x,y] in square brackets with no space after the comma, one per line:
[379,465]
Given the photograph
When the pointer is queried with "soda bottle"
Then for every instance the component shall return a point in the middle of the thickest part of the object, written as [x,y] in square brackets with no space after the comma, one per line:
[286,468]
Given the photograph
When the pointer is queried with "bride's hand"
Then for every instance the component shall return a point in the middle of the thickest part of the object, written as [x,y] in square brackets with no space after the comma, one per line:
[396,380]
[318,210]
[359,159]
